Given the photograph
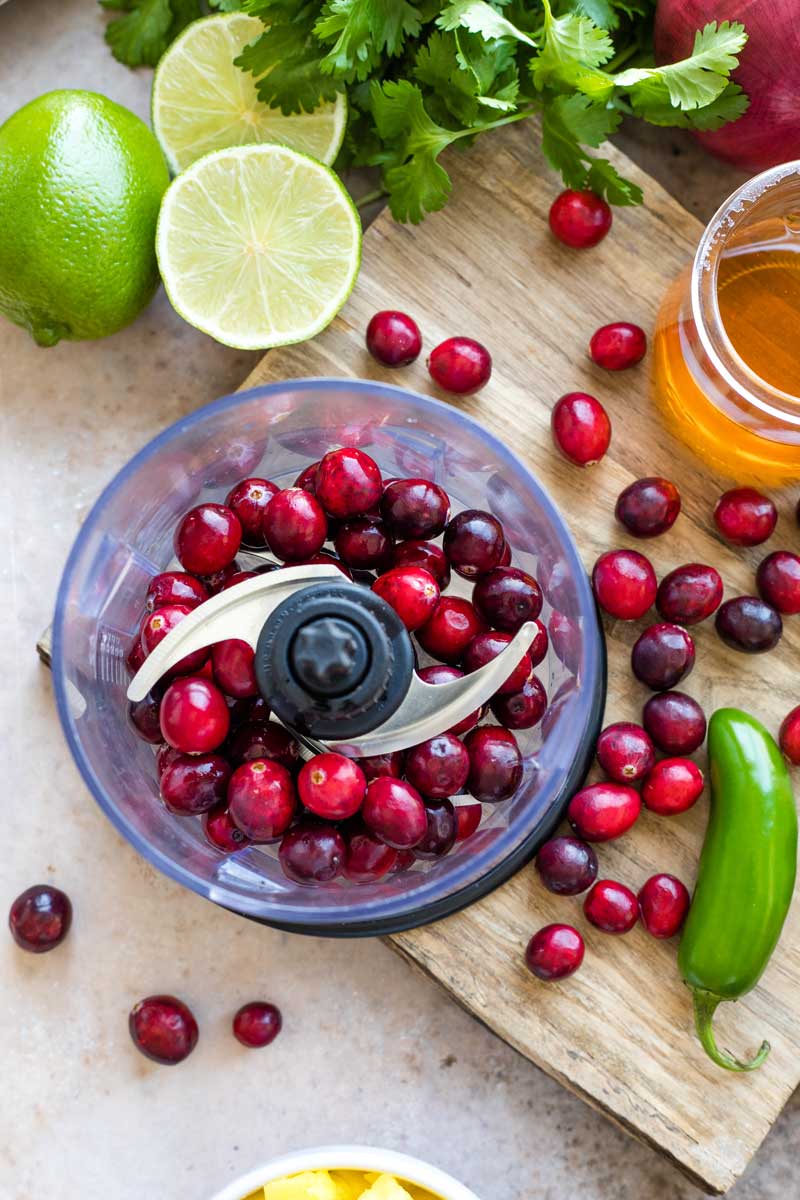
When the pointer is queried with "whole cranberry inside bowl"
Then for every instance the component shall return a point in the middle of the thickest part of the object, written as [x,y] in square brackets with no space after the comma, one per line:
[127,539]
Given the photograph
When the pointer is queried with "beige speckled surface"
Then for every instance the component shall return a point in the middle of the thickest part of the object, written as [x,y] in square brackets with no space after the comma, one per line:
[371,1052]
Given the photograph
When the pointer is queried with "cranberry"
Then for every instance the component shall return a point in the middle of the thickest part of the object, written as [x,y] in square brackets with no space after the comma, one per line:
[618,346]
[412,592]
[662,656]
[135,656]
[442,827]
[486,647]
[672,786]
[363,543]
[332,786]
[468,818]
[507,597]
[261,799]
[294,524]
[778,580]
[221,832]
[452,626]
[165,757]
[378,765]
[156,627]
[460,365]
[164,1029]
[474,542]
[581,428]
[395,812]
[675,722]
[604,811]
[40,918]
[367,858]
[219,580]
[393,338]
[625,752]
[438,768]
[439,673]
[624,583]
[611,906]
[174,587]
[415,553]
[312,852]
[554,952]
[495,764]
[415,508]
[257,1024]
[789,736]
[322,558]
[689,594]
[522,709]
[745,517]
[348,483]
[145,719]
[194,783]
[663,904]
[194,716]
[264,739]
[748,624]
[248,500]
[648,507]
[566,866]
[580,218]
[243,576]
[307,479]
[207,539]
[232,662]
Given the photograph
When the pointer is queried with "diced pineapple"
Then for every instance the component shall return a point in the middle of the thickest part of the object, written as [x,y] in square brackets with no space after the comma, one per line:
[350,1184]
[310,1185]
[386,1187]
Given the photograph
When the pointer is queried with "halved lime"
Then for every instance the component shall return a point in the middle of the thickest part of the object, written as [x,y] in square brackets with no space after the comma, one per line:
[258,246]
[202,102]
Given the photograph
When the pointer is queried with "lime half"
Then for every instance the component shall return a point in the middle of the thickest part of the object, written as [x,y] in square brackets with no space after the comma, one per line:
[258,246]
[202,102]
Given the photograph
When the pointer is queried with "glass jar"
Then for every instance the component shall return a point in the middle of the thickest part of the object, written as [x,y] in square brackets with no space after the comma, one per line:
[727,343]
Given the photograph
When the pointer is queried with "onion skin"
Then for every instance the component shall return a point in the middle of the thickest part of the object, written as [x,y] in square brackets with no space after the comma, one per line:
[769,72]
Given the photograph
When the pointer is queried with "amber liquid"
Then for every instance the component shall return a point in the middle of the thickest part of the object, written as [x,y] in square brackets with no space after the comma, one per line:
[758,292]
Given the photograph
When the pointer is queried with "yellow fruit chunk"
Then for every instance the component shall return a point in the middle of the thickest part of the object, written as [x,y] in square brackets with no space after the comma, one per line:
[386,1187]
[310,1185]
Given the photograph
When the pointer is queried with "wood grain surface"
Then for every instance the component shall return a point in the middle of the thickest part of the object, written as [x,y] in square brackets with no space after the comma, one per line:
[619,1033]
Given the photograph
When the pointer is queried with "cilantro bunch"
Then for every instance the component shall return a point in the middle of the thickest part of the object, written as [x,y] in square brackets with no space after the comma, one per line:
[422,76]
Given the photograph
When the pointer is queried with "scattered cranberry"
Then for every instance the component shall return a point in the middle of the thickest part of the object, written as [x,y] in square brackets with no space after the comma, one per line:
[689,594]
[468,818]
[243,576]
[378,765]
[507,597]
[486,647]
[663,904]
[672,786]
[165,757]
[155,628]
[581,428]
[648,507]
[194,783]
[194,716]
[174,587]
[307,479]
[580,219]
[145,719]
[554,952]
[745,517]
[163,1029]
[40,918]
[440,673]
[363,543]
[367,858]
[257,1024]
[789,736]
[294,524]
[624,583]
[221,832]
[332,786]
[460,365]
[495,764]
[675,722]
[601,812]
[393,338]
[778,580]
[625,752]
[416,553]
[207,539]
[415,508]
[135,656]
[249,500]
[232,662]
[217,581]
[321,558]
[473,542]
[611,906]
[748,624]
[450,629]
[522,709]
[349,483]
[663,656]
[618,346]
[566,866]
[442,827]
[261,799]
[412,592]
[395,812]
[312,852]
[264,739]
[439,767]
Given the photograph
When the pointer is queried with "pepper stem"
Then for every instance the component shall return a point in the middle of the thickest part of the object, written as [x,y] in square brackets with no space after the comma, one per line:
[705,1005]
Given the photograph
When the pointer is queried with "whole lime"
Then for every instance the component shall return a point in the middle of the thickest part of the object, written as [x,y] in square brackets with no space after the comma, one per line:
[81,181]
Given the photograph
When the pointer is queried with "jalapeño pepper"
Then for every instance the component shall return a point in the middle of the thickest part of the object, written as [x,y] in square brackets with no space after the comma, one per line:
[746,875]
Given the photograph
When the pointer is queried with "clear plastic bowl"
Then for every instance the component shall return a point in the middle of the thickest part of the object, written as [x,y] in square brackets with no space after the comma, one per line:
[274,432]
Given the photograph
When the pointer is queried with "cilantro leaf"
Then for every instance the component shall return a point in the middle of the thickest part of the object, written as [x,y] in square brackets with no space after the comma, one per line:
[573,46]
[285,60]
[569,121]
[363,30]
[695,81]
[141,36]
[479,17]
[452,86]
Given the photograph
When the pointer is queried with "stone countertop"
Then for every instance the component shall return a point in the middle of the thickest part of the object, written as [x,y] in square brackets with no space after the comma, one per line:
[371,1051]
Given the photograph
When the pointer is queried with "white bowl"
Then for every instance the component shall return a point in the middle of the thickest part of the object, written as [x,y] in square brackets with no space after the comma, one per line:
[349,1158]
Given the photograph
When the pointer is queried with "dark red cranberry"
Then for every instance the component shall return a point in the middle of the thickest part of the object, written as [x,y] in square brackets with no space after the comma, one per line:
[507,597]
[460,365]
[332,786]
[675,722]
[624,583]
[522,709]
[689,594]
[417,553]
[395,812]
[554,952]
[367,858]
[207,539]
[495,764]
[625,752]
[486,647]
[257,1024]
[163,1029]
[412,592]
[663,904]
[378,765]
[221,832]
[617,346]
[745,517]
[452,626]
[243,576]
[135,656]
[322,558]
[581,428]
[249,499]
[312,852]
[440,673]
[468,818]
[145,719]
[778,580]
[393,338]
[156,627]
[363,543]
[789,736]
[194,783]
[295,526]
[748,624]
[348,483]
[662,656]
[611,906]
[648,507]
[473,542]
[601,812]
[165,757]
[438,768]
[174,587]
[580,218]
[505,557]
[194,716]
[442,827]
[672,786]
[415,508]
[264,739]
[232,662]
[567,866]
[261,799]
[39,918]
[307,479]
[219,580]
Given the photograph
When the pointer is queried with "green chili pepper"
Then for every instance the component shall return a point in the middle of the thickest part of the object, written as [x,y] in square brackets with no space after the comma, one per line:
[746,875]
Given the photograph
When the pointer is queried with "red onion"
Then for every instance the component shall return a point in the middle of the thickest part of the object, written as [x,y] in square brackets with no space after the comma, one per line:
[769,72]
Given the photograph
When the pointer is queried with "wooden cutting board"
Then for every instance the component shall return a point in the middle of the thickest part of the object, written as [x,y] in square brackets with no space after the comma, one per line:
[619,1033]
